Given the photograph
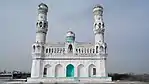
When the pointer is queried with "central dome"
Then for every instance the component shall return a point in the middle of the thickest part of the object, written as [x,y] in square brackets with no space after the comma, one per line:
[70,37]
[70,33]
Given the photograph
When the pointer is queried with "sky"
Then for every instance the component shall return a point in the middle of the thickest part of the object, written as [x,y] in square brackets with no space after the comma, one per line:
[126,24]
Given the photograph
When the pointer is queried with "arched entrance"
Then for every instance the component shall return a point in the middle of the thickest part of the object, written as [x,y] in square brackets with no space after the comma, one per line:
[47,71]
[70,70]
[70,48]
[92,70]
[58,70]
[81,70]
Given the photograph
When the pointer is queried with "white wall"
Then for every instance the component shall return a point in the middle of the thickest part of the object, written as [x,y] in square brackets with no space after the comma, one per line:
[84,72]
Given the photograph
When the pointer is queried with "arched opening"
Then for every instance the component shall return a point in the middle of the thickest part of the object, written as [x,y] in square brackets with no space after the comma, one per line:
[58,70]
[57,50]
[47,71]
[101,48]
[90,50]
[63,50]
[96,49]
[81,70]
[38,47]
[70,70]
[79,50]
[70,48]
[47,50]
[76,50]
[52,50]
[92,70]
[87,50]
[34,48]
[82,50]
[93,50]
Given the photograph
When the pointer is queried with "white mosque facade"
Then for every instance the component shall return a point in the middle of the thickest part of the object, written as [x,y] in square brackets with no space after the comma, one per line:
[69,60]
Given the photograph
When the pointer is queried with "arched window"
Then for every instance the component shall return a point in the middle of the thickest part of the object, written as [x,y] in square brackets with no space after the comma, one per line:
[99,25]
[103,25]
[40,24]
[45,24]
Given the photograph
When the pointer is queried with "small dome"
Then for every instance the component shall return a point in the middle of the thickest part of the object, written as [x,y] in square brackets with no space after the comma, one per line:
[70,33]
[43,6]
[98,6]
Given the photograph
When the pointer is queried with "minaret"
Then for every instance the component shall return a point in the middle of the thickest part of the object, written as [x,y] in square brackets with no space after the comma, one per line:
[42,23]
[100,45]
[39,46]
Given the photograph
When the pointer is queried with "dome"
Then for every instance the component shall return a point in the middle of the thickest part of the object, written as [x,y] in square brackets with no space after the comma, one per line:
[43,6]
[70,37]
[98,9]
[70,33]
[98,6]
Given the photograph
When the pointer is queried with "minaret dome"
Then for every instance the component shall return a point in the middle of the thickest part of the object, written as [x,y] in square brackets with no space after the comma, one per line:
[98,9]
[43,6]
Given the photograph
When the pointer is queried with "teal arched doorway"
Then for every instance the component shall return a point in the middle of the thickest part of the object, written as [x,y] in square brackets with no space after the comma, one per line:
[70,70]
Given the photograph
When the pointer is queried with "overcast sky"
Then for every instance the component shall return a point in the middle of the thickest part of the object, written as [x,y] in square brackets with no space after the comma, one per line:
[126,22]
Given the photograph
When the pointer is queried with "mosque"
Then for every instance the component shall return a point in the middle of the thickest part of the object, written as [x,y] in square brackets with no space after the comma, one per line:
[69,61]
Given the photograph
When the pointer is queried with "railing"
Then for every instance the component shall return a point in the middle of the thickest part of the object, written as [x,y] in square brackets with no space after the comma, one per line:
[68,56]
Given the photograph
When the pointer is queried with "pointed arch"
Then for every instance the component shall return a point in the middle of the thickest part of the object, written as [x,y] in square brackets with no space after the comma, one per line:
[90,50]
[70,48]
[91,70]
[81,70]
[33,48]
[49,50]
[47,70]
[70,70]
[96,49]
[58,70]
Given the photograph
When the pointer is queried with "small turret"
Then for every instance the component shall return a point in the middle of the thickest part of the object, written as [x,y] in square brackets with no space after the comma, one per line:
[70,37]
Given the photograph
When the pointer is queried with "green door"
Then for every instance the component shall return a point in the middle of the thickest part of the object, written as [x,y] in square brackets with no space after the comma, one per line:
[70,70]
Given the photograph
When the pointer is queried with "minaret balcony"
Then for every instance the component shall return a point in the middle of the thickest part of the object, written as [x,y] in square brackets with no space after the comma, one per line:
[37,55]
